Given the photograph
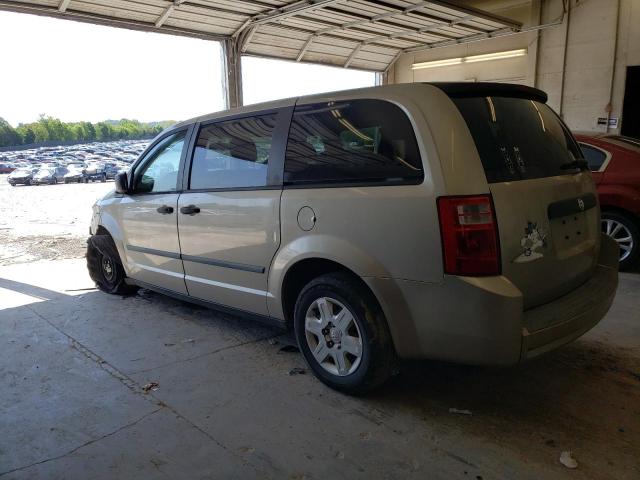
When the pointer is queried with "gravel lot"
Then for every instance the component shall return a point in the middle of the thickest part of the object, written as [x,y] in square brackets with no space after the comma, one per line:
[45,222]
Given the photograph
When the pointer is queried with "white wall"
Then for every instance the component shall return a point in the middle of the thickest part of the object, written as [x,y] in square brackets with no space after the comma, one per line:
[587,62]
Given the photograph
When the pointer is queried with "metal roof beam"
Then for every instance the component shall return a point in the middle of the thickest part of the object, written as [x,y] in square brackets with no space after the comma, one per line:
[382,16]
[457,5]
[63,5]
[292,9]
[468,39]
[353,55]
[387,21]
[305,47]
[403,33]
[97,19]
[163,18]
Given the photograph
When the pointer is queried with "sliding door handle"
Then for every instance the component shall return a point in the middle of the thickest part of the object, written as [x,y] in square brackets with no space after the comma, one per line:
[165,209]
[189,210]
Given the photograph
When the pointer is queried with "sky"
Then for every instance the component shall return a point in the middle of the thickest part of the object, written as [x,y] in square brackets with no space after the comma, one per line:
[76,71]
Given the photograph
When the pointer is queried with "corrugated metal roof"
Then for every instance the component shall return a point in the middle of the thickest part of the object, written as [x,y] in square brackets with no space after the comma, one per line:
[362,34]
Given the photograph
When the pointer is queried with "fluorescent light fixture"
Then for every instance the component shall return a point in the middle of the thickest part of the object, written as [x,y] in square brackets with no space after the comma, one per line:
[472,59]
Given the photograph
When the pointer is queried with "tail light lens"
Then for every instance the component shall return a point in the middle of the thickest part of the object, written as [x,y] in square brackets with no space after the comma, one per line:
[469,235]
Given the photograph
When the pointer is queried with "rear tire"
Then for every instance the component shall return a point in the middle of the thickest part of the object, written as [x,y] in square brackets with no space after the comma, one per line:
[625,232]
[103,178]
[105,267]
[353,355]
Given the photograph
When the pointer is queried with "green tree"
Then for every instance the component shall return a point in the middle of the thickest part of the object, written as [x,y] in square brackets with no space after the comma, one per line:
[8,134]
[104,131]
[27,135]
[48,128]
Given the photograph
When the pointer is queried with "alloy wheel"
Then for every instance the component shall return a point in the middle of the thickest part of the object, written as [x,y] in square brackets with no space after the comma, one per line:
[621,234]
[333,336]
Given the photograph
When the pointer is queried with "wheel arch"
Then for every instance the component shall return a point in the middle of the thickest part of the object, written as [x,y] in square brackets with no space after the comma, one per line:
[301,273]
[107,225]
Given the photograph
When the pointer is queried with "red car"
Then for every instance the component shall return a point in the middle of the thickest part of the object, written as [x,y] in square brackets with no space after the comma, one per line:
[6,168]
[615,164]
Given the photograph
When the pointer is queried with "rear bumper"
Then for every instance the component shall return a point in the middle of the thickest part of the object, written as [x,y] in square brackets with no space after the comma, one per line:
[482,321]
[548,326]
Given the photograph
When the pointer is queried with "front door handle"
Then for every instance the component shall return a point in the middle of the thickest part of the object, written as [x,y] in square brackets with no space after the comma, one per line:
[165,209]
[189,210]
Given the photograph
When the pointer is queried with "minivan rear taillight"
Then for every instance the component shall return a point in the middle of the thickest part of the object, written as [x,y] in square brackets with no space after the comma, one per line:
[469,235]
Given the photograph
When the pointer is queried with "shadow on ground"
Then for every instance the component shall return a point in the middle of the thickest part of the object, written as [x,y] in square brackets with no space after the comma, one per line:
[74,367]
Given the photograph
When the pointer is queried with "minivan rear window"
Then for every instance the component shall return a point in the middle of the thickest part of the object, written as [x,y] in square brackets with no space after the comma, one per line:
[517,138]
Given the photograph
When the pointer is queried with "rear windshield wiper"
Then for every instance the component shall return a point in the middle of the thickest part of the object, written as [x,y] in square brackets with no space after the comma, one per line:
[581,164]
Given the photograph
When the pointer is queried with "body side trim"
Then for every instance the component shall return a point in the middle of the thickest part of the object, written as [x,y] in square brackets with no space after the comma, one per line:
[192,258]
[222,263]
[152,251]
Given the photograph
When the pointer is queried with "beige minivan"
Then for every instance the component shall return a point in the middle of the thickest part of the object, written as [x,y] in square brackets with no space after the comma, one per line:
[453,221]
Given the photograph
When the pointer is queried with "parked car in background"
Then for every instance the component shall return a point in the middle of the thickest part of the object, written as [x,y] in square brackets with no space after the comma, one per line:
[111,169]
[6,168]
[456,222]
[76,173]
[96,171]
[614,162]
[49,175]
[21,176]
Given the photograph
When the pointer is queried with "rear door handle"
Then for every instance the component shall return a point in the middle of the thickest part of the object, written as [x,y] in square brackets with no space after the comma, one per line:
[165,209]
[189,210]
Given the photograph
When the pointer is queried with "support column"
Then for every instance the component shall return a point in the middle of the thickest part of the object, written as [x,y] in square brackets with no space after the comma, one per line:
[232,73]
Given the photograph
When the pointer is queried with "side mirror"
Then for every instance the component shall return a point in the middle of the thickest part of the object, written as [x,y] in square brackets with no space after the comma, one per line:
[122,183]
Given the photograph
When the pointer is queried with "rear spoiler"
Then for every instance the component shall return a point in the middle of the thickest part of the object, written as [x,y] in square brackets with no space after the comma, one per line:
[488,89]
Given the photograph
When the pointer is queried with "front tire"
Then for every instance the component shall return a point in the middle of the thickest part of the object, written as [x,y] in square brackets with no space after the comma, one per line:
[105,267]
[625,232]
[343,334]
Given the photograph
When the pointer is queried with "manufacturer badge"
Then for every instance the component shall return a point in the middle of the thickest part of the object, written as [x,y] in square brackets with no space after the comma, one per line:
[581,204]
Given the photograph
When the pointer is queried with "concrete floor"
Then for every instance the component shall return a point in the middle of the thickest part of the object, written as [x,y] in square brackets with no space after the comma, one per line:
[73,363]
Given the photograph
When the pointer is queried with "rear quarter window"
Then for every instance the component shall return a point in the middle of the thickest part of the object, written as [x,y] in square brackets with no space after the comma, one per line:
[517,138]
[353,142]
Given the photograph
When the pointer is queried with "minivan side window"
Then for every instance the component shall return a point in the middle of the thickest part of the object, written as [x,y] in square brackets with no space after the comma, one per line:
[594,156]
[353,142]
[159,173]
[233,154]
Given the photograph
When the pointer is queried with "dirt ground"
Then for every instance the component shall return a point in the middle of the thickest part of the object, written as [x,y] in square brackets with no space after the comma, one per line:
[45,222]
[78,398]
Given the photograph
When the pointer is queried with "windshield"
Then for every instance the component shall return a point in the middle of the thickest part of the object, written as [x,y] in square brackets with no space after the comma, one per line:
[518,139]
